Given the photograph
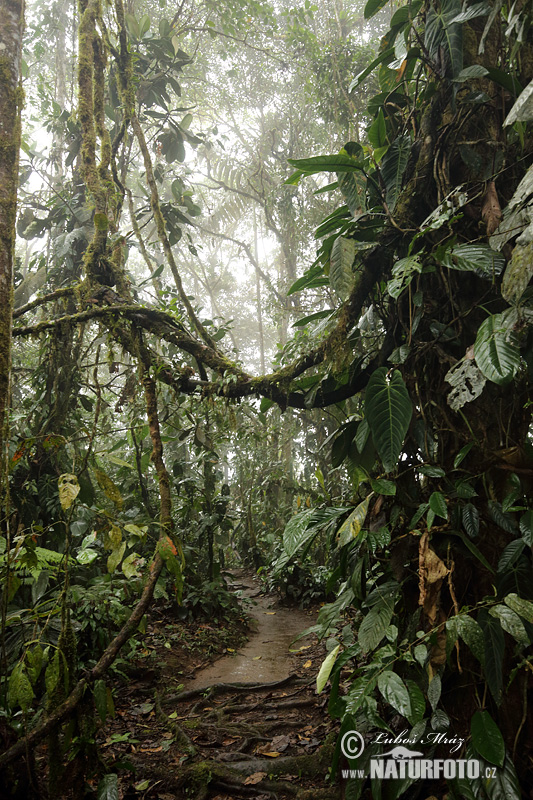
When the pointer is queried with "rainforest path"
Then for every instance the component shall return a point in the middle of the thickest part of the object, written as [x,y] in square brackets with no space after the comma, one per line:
[248,725]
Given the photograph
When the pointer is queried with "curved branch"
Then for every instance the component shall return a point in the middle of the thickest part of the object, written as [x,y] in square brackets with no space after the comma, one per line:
[67,291]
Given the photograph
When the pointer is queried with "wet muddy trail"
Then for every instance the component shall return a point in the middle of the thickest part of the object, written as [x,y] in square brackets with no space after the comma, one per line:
[266,657]
[248,725]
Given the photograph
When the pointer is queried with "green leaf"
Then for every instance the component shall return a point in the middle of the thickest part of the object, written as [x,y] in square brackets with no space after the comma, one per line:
[34,663]
[432,472]
[341,275]
[518,272]
[510,555]
[351,528]
[51,675]
[487,738]
[100,698]
[494,650]
[511,623]
[393,167]
[417,701]
[394,692]
[478,258]
[382,486]
[470,516]
[130,566]
[473,549]
[388,410]
[441,32]
[383,58]
[468,73]
[108,787]
[472,634]
[522,110]
[377,132]
[374,626]
[434,691]
[132,25]
[378,540]
[496,352]
[325,670]
[115,557]
[522,607]
[301,323]
[526,527]
[403,273]
[336,163]
[462,454]
[295,533]
[477,10]
[437,503]
[373,6]
[20,691]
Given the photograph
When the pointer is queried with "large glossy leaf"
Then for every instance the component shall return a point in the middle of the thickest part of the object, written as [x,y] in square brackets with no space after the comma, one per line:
[394,692]
[511,623]
[521,606]
[403,273]
[417,701]
[444,35]
[487,738]
[296,531]
[374,626]
[505,784]
[526,527]
[478,258]
[373,6]
[471,633]
[519,272]
[388,410]
[353,189]
[377,132]
[393,166]
[470,516]
[325,669]
[108,787]
[496,352]
[341,275]
[494,650]
[522,111]
[353,525]
[383,58]
[335,163]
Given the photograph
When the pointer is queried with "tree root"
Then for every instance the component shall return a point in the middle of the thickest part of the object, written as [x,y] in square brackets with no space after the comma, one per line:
[209,691]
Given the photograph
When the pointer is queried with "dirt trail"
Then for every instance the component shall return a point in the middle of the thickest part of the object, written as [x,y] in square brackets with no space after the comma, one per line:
[266,657]
[249,725]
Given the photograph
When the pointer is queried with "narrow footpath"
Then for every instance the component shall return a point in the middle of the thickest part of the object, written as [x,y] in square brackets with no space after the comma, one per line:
[248,725]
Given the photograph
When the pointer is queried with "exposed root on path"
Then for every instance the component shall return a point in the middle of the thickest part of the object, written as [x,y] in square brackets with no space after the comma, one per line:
[209,691]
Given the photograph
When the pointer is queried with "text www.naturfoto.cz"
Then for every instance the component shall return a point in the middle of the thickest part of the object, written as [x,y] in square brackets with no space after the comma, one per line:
[353,773]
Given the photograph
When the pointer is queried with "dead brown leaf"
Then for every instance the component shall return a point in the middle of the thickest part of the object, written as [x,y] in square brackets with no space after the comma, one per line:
[256,777]
[491,211]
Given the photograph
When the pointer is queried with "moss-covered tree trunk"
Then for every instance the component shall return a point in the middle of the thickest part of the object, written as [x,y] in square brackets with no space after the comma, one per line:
[12,15]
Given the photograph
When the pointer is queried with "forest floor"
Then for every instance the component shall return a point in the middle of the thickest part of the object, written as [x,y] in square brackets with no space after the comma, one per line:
[190,724]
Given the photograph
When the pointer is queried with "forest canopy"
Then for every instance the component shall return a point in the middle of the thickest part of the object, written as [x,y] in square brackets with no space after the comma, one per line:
[265,298]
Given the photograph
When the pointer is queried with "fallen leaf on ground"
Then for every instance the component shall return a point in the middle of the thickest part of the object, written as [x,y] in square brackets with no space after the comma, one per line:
[255,778]
[308,664]
[256,658]
[270,613]
[271,754]
[280,742]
